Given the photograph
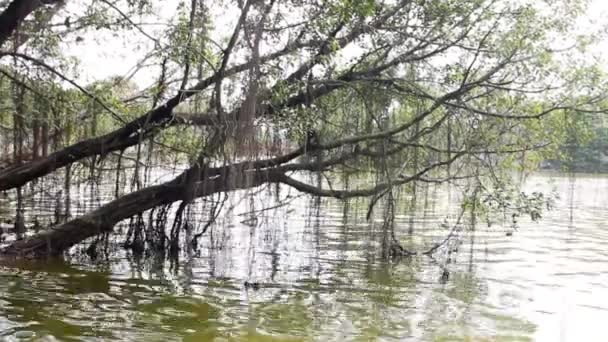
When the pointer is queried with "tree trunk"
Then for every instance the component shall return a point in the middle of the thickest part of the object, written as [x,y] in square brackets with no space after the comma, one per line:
[117,140]
[45,135]
[129,134]
[55,240]
[120,139]
[15,13]
[18,132]
[36,138]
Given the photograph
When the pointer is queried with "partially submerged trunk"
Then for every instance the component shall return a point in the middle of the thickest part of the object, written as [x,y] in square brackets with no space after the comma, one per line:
[57,239]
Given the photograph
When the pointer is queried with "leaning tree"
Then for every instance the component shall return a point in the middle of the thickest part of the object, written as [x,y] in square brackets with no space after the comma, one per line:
[265,91]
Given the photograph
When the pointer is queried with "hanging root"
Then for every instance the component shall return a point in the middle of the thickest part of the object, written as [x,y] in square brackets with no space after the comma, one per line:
[154,233]
[392,248]
[214,212]
[178,223]
[135,235]
[397,251]
[91,251]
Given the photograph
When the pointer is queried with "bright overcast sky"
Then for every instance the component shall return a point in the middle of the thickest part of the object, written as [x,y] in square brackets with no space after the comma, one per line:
[597,20]
[110,55]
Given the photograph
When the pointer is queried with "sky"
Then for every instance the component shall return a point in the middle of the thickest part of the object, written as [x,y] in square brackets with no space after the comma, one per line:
[597,19]
[120,56]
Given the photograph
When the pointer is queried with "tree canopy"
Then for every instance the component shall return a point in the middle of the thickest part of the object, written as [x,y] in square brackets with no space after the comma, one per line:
[251,92]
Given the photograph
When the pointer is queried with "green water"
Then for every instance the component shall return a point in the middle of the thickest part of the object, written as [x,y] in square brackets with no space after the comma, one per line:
[320,277]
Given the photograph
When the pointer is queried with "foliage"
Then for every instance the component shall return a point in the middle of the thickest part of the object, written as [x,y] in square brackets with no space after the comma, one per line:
[409,91]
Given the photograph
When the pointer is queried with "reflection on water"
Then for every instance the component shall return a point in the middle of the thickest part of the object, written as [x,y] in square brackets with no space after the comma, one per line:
[315,273]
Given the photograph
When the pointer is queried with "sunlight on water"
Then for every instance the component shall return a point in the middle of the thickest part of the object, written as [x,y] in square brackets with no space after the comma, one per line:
[315,273]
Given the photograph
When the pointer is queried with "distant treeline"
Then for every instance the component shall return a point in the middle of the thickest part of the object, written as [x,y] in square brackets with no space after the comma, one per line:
[587,156]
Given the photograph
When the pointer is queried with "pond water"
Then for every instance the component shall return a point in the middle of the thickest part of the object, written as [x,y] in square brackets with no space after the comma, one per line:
[318,275]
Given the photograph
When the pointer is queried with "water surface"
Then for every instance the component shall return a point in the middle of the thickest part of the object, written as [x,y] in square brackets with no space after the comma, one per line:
[318,275]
